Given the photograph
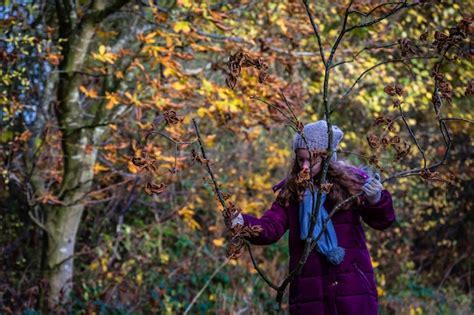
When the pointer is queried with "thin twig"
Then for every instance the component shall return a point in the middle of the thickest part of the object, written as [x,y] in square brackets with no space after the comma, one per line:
[373,9]
[272,106]
[362,50]
[315,31]
[383,17]
[259,270]
[209,170]
[379,64]
[38,223]
[457,119]
[412,134]
[205,286]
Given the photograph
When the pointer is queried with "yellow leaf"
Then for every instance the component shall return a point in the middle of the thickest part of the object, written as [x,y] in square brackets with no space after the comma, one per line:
[375,264]
[219,242]
[103,264]
[201,112]
[178,86]
[102,49]
[206,86]
[380,291]
[169,71]
[210,140]
[164,258]
[188,216]
[99,168]
[133,98]
[185,3]
[182,26]
[132,168]
[139,278]
[104,56]
[112,100]
[94,266]
[88,93]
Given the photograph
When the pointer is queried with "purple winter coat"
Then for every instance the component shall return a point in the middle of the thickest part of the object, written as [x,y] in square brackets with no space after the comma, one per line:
[323,288]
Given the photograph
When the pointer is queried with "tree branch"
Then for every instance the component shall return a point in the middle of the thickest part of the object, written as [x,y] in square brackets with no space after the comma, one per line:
[315,31]
[412,134]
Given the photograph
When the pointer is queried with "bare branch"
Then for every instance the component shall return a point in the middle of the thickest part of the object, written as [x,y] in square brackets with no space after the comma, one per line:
[209,170]
[259,270]
[457,119]
[378,65]
[373,9]
[397,8]
[315,30]
[412,134]
[364,49]
[38,223]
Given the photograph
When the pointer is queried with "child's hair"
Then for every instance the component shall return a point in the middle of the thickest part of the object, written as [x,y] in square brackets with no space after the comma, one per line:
[344,177]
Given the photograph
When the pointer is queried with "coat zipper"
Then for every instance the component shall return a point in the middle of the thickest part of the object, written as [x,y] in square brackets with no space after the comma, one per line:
[363,275]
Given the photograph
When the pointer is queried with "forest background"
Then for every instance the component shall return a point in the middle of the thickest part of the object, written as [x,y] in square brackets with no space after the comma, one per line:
[105,201]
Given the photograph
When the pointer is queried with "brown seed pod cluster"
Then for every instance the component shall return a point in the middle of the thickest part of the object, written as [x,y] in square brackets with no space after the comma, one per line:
[153,189]
[196,157]
[237,241]
[326,187]
[242,60]
[238,233]
[394,89]
[303,177]
[171,117]
[428,175]
[409,47]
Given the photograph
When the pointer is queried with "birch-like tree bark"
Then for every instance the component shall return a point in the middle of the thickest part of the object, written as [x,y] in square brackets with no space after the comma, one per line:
[79,145]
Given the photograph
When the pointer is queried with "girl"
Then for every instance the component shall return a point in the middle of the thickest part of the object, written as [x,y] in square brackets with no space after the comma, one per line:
[338,277]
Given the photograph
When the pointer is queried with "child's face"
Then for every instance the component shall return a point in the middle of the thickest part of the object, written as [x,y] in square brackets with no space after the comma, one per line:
[303,158]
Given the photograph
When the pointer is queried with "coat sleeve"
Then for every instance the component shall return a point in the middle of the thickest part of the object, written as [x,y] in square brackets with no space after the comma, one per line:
[274,223]
[380,215]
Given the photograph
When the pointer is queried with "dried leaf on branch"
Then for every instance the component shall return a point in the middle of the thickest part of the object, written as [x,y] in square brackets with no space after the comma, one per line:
[242,60]
[197,157]
[153,189]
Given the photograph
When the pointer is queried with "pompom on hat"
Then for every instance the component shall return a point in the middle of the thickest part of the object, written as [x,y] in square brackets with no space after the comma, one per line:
[316,135]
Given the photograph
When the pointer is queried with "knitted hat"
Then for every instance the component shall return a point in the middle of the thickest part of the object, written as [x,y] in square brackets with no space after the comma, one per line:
[316,135]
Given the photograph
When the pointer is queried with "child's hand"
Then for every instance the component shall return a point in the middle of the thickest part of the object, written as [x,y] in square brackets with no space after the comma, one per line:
[373,189]
[239,219]
[232,221]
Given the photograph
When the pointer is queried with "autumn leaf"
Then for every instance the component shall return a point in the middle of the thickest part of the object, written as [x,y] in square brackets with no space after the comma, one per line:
[394,89]
[133,98]
[219,242]
[182,26]
[373,140]
[198,158]
[153,189]
[112,100]
[326,187]
[88,93]
[171,117]
[303,178]
[54,59]
[104,56]
[99,168]
[49,198]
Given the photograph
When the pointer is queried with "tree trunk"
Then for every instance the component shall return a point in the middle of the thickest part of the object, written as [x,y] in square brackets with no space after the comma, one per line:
[62,221]
[79,144]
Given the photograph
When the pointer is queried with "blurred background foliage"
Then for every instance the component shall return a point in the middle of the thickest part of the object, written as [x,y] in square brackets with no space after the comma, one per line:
[153,253]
